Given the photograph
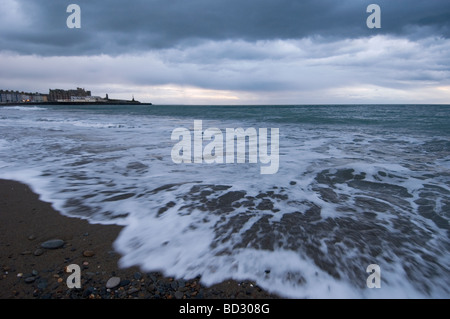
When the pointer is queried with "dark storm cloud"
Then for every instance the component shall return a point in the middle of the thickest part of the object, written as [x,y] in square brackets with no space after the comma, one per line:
[117,26]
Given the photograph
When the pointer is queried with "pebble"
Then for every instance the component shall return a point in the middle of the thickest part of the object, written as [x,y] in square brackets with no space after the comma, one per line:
[42,284]
[112,253]
[38,252]
[88,253]
[53,244]
[179,295]
[88,291]
[199,295]
[132,290]
[112,282]
[30,280]
[26,252]
[31,237]
[137,275]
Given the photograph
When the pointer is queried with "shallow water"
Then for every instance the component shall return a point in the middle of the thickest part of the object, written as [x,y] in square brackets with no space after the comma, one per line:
[356,185]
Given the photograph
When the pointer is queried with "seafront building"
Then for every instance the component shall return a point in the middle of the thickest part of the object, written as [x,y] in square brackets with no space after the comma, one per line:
[7,96]
[59,96]
[56,95]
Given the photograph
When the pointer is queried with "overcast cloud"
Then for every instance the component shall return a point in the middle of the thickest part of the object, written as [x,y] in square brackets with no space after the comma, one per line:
[231,51]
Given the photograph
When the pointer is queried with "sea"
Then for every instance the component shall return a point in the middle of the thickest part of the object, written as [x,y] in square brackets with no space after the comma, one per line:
[358,206]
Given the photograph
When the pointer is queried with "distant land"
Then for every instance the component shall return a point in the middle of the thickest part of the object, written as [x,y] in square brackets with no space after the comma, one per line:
[61,97]
[106,102]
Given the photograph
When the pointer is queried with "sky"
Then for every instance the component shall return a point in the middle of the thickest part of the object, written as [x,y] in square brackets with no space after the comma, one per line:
[231,51]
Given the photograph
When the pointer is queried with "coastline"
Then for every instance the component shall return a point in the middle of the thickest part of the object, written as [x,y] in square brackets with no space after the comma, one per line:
[109,102]
[28,271]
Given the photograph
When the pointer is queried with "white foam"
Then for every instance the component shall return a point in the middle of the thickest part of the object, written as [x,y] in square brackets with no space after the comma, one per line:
[25,108]
[93,125]
[4,144]
[72,157]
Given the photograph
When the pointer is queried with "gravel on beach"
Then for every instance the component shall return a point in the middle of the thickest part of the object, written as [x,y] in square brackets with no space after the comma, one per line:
[37,244]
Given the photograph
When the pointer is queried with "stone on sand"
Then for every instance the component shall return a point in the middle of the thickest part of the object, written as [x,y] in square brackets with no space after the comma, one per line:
[112,282]
[53,244]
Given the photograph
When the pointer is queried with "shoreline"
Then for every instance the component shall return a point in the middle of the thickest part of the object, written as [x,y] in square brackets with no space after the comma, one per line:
[110,102]
[28,271]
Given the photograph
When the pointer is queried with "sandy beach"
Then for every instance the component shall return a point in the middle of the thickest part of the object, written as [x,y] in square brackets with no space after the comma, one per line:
[28,271]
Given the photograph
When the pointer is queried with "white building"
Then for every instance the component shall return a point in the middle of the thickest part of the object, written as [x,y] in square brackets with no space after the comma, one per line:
[85,99]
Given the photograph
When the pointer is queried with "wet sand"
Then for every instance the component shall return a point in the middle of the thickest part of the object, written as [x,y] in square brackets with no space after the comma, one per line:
[28,271]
